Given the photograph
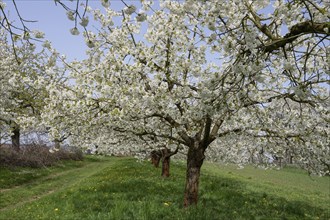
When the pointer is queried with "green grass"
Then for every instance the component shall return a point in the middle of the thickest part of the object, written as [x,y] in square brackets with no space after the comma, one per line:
[121,188]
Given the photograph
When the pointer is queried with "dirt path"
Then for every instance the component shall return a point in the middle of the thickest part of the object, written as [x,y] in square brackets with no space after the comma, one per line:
[52,183]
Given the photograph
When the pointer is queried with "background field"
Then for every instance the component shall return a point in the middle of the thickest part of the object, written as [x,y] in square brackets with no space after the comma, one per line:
[121,188]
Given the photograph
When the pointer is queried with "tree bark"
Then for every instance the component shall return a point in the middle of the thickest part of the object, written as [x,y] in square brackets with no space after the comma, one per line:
[57,144]
[165,155]
[155,157]
[306,27]
[15,138]
[166,166]
[194,163]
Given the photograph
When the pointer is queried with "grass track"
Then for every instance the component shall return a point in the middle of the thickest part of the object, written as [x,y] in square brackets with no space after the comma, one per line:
[56,180]
[121,188]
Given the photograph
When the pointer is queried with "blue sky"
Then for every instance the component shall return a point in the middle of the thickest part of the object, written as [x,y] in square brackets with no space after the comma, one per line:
[52,20]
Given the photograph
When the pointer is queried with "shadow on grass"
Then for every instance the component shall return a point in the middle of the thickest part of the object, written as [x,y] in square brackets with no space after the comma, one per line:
[228,198]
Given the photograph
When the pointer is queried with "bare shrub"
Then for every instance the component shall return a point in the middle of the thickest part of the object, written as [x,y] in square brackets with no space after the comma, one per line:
[35,156]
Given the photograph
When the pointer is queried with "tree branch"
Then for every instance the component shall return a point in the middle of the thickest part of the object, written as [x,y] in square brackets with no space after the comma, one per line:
[236,130]
[307,27]
[206,138]
[215,129]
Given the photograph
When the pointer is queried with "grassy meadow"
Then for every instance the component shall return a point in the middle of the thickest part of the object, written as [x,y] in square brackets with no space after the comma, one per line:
[121,188]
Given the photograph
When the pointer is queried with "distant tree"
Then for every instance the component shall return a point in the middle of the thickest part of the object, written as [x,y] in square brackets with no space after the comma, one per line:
[291,133]
[164,155]
[25,78]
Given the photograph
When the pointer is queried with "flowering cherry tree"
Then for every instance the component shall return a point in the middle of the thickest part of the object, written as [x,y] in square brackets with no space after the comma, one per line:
[195,72]
[24,75]
[219,75]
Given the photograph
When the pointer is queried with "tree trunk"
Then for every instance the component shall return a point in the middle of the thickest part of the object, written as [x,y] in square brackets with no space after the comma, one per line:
[15,138]
[155,157]
[194,163]
[288,156]
[57,144]
[166,166]
[165,155]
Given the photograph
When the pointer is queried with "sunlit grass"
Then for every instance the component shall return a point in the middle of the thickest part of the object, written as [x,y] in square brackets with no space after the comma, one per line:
[121,188]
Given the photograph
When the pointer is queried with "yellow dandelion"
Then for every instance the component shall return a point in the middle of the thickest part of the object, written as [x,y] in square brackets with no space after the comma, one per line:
[56,209]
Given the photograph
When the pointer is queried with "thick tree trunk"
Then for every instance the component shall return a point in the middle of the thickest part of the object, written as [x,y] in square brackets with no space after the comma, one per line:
[15,138]
[166,166]
[194,163]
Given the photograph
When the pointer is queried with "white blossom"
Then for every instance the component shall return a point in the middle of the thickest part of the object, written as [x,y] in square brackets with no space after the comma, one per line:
[70,15]
[141,17]
[90,44]
[84,21]
[74,31]
[130,9]
[26,35]
[38,34]
[105,3]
